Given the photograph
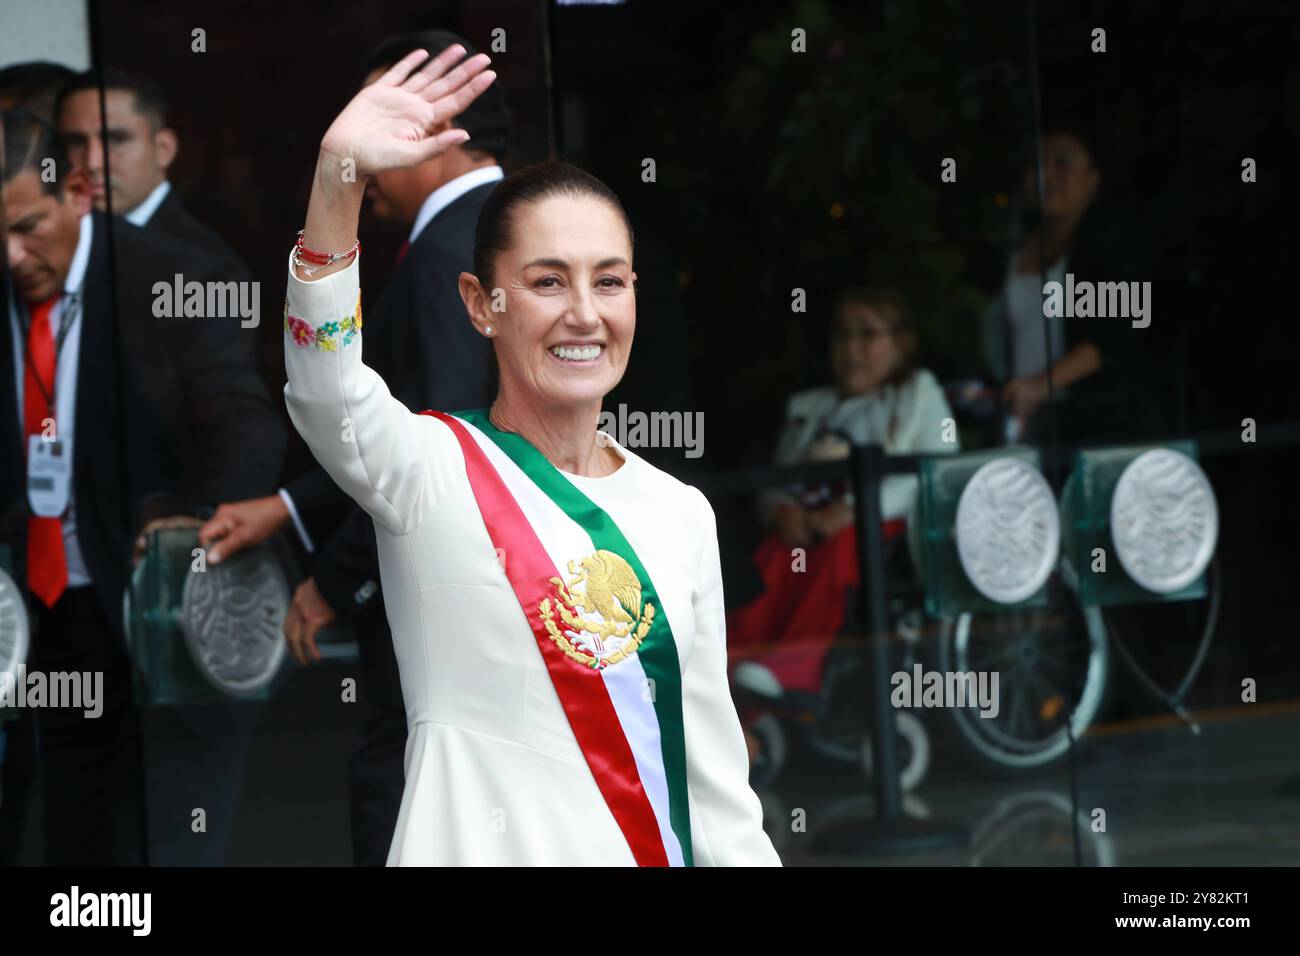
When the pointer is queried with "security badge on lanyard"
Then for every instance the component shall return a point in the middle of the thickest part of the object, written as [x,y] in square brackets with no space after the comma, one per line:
[49,460]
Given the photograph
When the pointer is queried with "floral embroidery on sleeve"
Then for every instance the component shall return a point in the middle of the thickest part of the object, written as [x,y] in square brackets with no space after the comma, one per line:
[328,336]
[303,334]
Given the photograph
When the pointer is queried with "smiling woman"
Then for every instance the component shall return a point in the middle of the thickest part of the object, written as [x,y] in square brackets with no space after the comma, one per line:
[555,287]
[555,601]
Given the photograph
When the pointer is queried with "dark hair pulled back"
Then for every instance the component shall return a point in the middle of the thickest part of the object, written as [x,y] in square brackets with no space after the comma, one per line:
[494,233]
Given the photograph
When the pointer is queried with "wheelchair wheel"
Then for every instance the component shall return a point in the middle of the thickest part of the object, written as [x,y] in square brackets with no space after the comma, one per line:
[913,751]
[1051,662]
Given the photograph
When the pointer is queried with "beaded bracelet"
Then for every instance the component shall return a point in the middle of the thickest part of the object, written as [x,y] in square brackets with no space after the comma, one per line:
[309,260]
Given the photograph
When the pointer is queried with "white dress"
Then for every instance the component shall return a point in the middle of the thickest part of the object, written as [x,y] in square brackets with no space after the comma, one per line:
[494,772]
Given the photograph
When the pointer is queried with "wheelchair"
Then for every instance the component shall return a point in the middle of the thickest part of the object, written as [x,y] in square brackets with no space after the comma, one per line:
[831,721]
[1055,663]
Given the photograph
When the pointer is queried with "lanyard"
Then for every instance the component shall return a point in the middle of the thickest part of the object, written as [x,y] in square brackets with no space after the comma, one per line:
[71,312]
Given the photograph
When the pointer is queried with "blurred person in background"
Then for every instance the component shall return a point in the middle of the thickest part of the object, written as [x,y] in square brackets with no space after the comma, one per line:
[879,396]
[197,752]
[83,285]
[127,163]
[128,158]
[1097,383]
[31,87]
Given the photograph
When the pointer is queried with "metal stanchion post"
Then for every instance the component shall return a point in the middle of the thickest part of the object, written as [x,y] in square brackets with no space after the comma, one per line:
[873,609]
[889,831]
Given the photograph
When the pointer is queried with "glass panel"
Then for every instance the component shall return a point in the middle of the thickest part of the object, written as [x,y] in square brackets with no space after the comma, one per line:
[1044,244]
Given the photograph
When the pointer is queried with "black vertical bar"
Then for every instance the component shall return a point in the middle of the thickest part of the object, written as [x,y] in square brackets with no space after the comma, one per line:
[873,609]
[1055,461]
[551,67]
[95,22]
[1049,405]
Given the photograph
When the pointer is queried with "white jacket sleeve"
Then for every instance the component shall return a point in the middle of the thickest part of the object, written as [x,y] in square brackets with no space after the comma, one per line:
[921,431]
[726,816]
[375,448]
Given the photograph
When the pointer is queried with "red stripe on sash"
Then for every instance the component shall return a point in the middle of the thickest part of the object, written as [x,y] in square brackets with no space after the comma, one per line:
[581,689]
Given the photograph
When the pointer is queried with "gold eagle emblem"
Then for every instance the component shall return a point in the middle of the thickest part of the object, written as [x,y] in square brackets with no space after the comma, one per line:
[612,622]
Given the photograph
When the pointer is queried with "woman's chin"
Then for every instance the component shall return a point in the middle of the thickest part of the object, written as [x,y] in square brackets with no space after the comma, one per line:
[576,391]
[574,383]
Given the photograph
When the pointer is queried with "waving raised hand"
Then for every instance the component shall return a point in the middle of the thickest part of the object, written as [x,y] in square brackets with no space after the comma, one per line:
[395,122]
[398,120]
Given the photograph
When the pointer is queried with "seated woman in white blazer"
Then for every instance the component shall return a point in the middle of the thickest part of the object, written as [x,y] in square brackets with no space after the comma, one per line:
[879,395]
[555,601]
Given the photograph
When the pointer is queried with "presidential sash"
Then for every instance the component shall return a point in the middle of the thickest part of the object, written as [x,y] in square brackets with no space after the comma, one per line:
[600,627]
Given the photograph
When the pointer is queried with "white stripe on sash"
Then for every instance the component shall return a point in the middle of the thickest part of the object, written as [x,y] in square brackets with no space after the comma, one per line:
[565,540]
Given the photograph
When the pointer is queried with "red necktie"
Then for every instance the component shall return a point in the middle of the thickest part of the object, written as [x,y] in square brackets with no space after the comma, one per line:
[401,251]
[47,568]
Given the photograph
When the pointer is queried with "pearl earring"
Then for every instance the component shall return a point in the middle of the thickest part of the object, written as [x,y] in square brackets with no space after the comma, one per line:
[487,330]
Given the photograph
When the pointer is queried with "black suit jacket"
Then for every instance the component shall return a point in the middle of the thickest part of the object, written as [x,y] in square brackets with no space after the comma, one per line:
[235,441]
[173,219]
[419,339]
[170,411]
[123,470]
[1118,402]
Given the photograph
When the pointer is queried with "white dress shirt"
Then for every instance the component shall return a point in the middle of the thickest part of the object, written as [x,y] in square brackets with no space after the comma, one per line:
[1024,291]
[449,192]
[141,214]
[65,391]
[434,203]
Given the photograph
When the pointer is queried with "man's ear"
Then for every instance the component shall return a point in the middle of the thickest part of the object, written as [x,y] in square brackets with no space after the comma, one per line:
[76,190]
[165,147]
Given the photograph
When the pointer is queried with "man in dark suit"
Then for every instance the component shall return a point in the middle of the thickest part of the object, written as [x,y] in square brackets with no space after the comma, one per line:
[420,340]
[198,751]
[127,151]
[164,410]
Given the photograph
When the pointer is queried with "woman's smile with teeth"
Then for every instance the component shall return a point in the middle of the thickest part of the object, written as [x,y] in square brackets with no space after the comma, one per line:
[576,353]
